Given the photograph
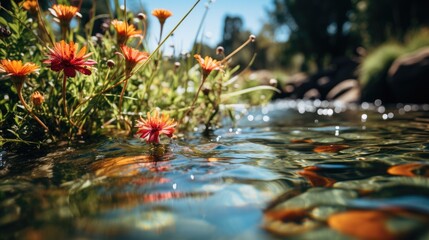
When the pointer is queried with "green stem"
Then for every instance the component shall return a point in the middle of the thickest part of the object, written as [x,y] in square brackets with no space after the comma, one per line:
[22,23]
[160,33]
[250,39]
[123,92]
[168,35]
[21,98]
[195,99]
[64,95]
[200,27]
[97,94]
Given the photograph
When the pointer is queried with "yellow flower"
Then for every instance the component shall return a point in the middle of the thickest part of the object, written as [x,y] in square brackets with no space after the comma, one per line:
[162,15]
[125,31]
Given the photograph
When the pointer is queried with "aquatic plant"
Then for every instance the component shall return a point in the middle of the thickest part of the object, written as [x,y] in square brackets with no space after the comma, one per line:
[101,83]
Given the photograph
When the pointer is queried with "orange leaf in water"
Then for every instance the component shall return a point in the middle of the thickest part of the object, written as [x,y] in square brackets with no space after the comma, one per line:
[333,148]
[288,222]
[286,215]
[301,141]
[408,169]
[315,179]
[366,224]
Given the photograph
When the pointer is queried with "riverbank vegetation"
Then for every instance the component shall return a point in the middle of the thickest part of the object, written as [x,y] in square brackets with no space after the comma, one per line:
[61,80]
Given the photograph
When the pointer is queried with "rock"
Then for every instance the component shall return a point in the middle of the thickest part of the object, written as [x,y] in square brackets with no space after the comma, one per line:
[408,77]
[347,91]
[337,82]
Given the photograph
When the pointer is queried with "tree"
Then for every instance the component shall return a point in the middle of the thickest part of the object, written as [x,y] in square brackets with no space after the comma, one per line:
[318,29]
[233,36]
[381,20]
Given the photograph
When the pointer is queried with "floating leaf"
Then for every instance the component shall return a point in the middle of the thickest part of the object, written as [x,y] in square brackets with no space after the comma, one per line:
[315,179]
[375,224]
[289,222]
[328,140]
[301,141]
[378,183]
[362,224]
[332,148]
[410,169]
[315,197]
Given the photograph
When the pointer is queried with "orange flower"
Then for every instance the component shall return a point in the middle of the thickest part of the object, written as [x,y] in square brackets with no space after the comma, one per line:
[132,57]
[37,99]
[15,68]
[208,64]
[63,14]
[155,125]
[162,15]
[66,57]
[30,5]
[18,72]
[125,31]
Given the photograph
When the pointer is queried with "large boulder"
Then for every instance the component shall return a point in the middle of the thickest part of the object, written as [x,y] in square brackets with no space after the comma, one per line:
[408,77]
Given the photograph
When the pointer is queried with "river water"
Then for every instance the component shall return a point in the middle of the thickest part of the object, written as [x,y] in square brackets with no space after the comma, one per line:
[295,169]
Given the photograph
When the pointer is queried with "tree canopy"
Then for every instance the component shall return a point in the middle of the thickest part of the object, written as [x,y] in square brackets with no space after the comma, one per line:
[324,30]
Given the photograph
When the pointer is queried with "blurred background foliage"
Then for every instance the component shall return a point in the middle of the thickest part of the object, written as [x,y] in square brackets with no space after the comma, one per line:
[319,31]
[363,38]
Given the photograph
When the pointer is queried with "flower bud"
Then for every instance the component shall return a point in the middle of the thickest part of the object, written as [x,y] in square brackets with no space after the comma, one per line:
[4,32]
[273,82]
[176,65]
[141,16]
[37,99]
[110,63]
[220,50]
[206,91]
[252,38]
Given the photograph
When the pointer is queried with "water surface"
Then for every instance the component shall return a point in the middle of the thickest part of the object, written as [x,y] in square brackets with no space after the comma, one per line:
[296,169]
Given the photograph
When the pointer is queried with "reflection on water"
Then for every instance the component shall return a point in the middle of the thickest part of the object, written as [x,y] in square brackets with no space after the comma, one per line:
[296,169]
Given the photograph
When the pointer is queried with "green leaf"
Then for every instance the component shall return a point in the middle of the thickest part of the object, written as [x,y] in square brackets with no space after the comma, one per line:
[3,21]
[248,90]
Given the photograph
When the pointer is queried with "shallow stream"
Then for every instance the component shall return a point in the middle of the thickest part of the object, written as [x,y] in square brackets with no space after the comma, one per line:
[304,170]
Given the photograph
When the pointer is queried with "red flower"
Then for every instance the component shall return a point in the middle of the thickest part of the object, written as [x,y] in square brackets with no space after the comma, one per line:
[155,125]
[66,57]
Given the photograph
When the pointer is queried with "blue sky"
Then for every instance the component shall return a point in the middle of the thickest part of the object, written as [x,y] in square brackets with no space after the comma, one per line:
[252,12]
